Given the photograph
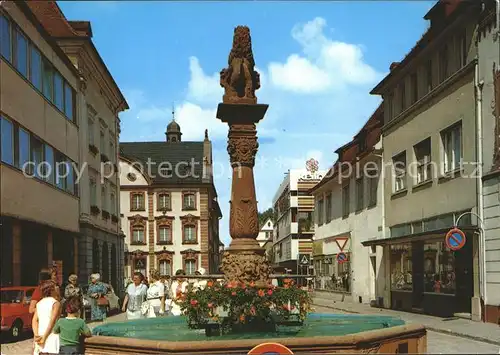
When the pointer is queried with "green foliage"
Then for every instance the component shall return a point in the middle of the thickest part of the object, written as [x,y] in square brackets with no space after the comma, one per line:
[263,216]
[230,304]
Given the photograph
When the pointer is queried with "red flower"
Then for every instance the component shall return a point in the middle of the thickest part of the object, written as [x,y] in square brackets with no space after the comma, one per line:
[233,293]
[210,284]
[269,292]
[261,293]
[194,302]
[210,305]
[253,311]
[252,284]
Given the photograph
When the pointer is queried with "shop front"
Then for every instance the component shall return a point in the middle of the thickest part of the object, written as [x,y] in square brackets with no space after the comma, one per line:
[427,277]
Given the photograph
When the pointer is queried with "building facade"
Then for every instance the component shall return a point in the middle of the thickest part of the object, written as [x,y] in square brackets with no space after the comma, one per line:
[294,223]
[39,151]
[169,209]
[266,232]
[99,101]
[430,149]
[348,212]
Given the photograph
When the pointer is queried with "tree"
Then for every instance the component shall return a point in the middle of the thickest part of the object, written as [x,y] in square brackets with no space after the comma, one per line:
[263,216]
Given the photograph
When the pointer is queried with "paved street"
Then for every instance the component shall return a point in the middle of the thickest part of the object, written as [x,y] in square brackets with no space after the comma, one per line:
[437,343]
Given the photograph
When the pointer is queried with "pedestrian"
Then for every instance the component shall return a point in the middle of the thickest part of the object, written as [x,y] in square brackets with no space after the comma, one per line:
[43,275]
[134,297]
[155,295]
[99,303]
[72,328]
[72,289]
[179,286]
[48,311]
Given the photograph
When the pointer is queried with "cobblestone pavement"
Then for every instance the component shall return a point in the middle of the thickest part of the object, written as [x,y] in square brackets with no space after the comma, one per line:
[437,343]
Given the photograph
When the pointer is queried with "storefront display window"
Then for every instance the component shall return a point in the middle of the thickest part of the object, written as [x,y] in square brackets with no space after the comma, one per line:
[439,268]
[401,267]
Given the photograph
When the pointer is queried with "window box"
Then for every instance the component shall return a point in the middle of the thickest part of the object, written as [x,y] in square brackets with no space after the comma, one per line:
[94,210]
[114,218]
[93,149]
[105,214]
[104,158]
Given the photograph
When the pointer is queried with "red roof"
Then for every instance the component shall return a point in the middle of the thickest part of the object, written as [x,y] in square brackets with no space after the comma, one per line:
[52,19]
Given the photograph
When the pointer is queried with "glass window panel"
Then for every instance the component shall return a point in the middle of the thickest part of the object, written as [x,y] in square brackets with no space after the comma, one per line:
[439,268]
[36,68]
[36,156]
[21,54]
[48,166]
[7,141]
[190,267]
[58,91]
[401,267]
[68,101]
[48,80]
[24,150]
[61,167]
[5,38]
[70,180]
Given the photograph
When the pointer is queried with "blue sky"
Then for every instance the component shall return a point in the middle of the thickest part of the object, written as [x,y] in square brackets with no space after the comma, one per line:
[318,62]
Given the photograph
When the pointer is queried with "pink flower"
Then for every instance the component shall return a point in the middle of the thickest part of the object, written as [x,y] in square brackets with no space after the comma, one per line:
[269,292]
[210,305]
[233,293]
[194,302]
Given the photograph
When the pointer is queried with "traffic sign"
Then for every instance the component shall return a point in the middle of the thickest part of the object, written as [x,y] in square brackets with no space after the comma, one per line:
[304,259]
[270,348]
[342,240]
[342,258]
[455,239]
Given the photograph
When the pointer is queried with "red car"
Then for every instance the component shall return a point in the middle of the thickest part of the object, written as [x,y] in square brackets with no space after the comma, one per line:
[15,304]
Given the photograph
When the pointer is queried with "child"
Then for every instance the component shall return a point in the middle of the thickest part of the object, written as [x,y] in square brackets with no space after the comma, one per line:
[71,328]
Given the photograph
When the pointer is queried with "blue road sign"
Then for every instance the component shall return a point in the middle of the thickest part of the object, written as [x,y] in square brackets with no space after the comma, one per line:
[455,239]
[341,257]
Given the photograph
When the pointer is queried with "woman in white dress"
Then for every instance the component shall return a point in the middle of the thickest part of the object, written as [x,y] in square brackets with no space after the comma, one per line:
[155,295]
[178,286]
[135,296]
[48,311]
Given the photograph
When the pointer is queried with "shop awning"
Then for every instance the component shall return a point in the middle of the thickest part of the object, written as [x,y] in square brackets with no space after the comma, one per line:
[441,233]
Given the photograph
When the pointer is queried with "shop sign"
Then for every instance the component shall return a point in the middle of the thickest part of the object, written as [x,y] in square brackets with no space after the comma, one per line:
[455,239]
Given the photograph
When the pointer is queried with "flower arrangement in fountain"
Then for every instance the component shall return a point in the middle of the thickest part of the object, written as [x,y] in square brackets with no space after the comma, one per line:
[230,304]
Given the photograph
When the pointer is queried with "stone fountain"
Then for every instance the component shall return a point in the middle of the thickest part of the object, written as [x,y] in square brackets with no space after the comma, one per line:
[244,260]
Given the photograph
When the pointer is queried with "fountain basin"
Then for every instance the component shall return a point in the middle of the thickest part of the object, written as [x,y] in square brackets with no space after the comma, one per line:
[321,333]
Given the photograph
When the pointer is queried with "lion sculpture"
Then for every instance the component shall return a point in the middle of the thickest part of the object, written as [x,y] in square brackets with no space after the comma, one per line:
[239,79]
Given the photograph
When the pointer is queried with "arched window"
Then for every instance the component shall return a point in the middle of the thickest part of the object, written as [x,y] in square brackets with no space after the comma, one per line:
[190,266]
[189,234]
[138,234]
[165,268]
[164,234]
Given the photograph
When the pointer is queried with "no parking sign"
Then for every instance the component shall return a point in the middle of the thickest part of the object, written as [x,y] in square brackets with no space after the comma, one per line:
[455,239]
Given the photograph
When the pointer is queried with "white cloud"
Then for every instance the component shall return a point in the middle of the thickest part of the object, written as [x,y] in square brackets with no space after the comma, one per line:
[203,88]
[324,65]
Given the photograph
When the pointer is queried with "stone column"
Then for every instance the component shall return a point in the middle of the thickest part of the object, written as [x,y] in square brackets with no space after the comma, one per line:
[16,253]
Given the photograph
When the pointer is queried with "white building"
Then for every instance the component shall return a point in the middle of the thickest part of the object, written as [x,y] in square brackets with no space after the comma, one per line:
[348,212]
[294,226]
[169,213]
[266,232]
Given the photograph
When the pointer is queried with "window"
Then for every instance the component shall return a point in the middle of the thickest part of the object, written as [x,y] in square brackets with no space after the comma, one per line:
[138,234]
[428,74]
[165,268]
[189,234]
[443,64]
[163,201]
[5,38]
[401,267]
[24,149]
[452,147]
[399,166]
[93,193]
[190,266]
[102,143]
[164,234]
[104,198]
[414,88]
[22,54]
[48,80]
[62,168]
[402,92]
[320,213]
[372,189]
[423,158]
[328,208]
[112,203]
[137,202]
[70,179]
[36,156]
[359,194]
[111,150]
[91,132]
[7,143]
[35,68]
[345,201]
[58,91]
[48,173]
[69,97]
[189,202]
[463,48]
[439,268]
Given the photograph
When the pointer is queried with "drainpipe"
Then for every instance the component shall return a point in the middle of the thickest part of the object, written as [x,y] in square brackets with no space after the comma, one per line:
[478,86]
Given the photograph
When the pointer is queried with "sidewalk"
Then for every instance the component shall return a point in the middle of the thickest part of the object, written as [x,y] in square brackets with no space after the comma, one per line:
[484,332]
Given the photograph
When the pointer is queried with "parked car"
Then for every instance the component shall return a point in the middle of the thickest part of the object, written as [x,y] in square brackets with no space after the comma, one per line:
[14,309]
[113,299]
